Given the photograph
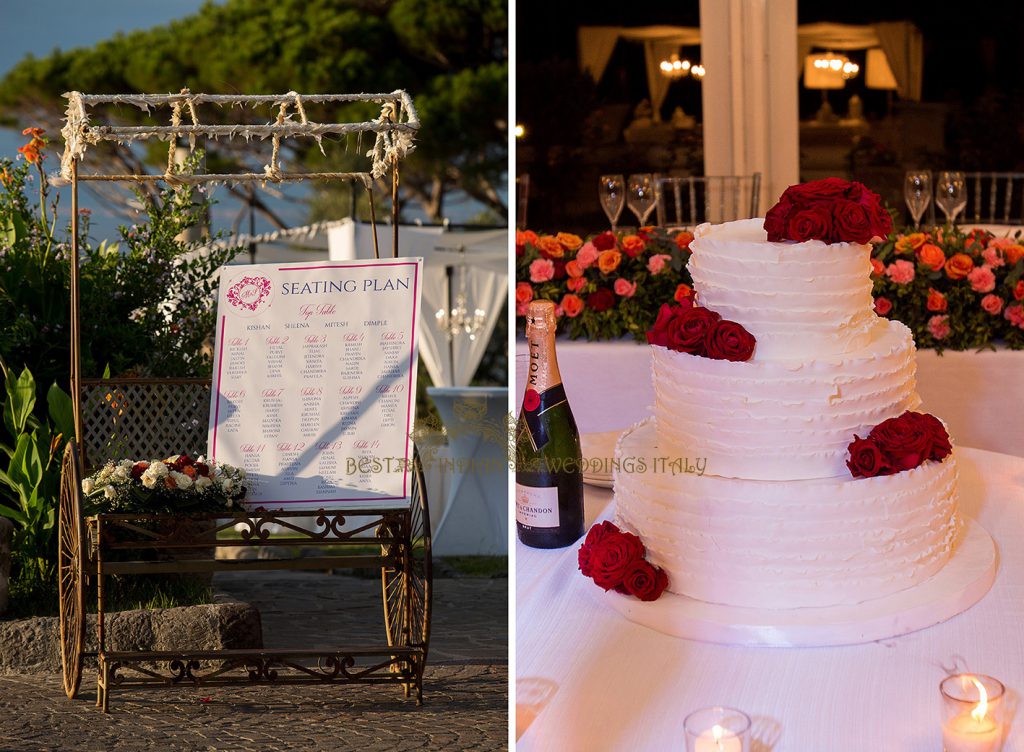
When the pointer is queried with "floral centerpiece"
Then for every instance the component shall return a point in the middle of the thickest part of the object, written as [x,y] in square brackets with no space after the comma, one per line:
[175,485]
[607,286]
[953,289]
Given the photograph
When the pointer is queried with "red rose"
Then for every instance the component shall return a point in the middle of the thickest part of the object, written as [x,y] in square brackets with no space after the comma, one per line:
[596,534]
[612,556]
[559,268]
[531,400]
[138,469]
[203,469]
[883,306]
[1018,290]
[866,459]
[520,249]
[851,222]
[827,189]
[941,445]
[905,441]
[727,340]
[601,300]
[658,334]
[813,223]
[644,580]
[776,221]
[689,330]
[604,242]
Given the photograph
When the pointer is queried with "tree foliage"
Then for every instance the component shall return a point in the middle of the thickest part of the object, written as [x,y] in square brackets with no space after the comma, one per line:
[451,55]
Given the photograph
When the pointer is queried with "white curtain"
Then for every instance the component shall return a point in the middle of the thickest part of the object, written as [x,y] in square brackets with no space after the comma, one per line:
[481,256]
[595,46]
[901,41]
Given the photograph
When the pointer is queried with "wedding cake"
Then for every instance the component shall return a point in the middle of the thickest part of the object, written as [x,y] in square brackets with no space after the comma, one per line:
[750,500]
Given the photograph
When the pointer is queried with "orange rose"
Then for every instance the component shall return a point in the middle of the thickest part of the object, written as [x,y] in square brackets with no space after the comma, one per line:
[1013,253]
[683,292]
[633,245]
[912,242]
[877,268]
[609,261]
[936,301]
[569,241]
[684,239]
[931,256]
[526,236]
[524,292]
[572,268]
[572,305]
[549,246]
[959,266]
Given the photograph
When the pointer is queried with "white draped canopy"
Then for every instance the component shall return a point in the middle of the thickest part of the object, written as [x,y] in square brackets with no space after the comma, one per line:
[901,42]
[478,260]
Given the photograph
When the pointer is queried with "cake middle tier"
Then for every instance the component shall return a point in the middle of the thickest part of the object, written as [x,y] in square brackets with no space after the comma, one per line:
[781,419]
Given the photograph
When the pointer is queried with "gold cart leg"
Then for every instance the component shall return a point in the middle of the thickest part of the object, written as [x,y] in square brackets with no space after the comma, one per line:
[99,686]
[106,687]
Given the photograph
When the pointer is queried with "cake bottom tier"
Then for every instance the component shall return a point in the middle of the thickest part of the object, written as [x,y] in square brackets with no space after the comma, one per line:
[786,544]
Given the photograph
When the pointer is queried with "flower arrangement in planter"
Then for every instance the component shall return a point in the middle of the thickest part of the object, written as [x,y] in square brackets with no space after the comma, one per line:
[176,485]
[953,289]
[607,286]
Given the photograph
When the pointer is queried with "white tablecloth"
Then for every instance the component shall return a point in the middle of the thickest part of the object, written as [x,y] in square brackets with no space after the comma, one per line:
[978,394]
[624,687]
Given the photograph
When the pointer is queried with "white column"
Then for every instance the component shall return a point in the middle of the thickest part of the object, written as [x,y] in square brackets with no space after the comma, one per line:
[751,117]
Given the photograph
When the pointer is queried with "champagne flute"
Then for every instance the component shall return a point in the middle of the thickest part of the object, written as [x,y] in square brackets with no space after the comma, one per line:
[917,191]
[951,194]
[640,196]
[612,191]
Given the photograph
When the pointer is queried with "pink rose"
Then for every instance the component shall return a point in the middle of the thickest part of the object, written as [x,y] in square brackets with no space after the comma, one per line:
[1015,315]
[982,279]
[522,308]
[939,326]
[882,306]
[656,263]
[576,283]
[542,270]
[624,288]
[587,255]
[901,272]
[993,256]
[992,304]
[1001,243]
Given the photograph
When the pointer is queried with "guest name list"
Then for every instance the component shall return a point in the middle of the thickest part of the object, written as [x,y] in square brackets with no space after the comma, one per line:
[315,381]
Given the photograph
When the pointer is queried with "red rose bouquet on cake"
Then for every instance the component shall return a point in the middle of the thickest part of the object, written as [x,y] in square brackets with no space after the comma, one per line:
[830,210]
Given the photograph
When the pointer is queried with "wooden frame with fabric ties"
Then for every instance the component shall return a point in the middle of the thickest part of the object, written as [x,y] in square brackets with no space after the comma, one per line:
[115,416]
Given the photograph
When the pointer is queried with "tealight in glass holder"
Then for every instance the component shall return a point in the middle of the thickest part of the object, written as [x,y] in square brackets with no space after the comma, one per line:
[717,729]
[972,713]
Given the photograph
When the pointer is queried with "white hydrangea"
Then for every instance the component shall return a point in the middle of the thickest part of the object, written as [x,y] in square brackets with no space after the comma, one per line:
[181,480]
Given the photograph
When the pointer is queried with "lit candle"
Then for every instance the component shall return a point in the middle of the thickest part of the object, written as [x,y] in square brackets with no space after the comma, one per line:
[718,739]
[973,729]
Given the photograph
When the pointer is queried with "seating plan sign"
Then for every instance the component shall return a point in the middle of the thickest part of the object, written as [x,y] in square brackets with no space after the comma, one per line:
[314,381]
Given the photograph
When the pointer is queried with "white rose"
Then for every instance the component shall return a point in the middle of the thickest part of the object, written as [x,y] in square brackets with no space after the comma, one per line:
[181,480]
[149,480]
[226,485]
[159,469]
[109,492]
[203,483]
[241,474]
[87,486]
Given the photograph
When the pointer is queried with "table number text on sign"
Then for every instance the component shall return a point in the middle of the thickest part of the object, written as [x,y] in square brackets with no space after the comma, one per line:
[314,382]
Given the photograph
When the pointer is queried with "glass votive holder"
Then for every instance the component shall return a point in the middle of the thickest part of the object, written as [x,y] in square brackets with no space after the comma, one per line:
[533,694]
[972,713]
[717,729]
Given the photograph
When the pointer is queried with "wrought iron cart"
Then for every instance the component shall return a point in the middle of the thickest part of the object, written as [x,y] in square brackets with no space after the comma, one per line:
[119,418]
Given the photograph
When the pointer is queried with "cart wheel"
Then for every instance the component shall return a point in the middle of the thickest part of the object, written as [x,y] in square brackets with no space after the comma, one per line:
[407,590]
[70,557]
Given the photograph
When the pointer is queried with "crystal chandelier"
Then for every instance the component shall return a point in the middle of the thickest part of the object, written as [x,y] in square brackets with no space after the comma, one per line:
[834,63]
[458,320]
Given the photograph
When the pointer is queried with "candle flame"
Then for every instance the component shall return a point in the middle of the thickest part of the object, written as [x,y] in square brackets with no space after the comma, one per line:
[718,732]
[981,709]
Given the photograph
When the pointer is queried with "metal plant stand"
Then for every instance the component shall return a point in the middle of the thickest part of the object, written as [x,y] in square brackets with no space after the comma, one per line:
[115,419]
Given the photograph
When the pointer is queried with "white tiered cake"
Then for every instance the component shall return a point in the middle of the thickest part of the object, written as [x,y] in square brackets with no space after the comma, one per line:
[776,521]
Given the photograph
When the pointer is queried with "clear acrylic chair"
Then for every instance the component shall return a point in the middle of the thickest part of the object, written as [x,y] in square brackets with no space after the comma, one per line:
[994,198]
[689,201]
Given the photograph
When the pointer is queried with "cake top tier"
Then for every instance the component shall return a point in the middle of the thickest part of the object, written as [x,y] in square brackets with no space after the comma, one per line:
[797,299]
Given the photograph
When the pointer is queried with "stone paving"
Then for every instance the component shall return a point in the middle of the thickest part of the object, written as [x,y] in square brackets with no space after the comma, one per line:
[465,686]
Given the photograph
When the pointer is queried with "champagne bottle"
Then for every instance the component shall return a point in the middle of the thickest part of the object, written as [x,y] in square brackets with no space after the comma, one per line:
[549,472]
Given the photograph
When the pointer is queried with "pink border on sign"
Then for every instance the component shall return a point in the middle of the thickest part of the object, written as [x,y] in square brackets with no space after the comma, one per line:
[216,411]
